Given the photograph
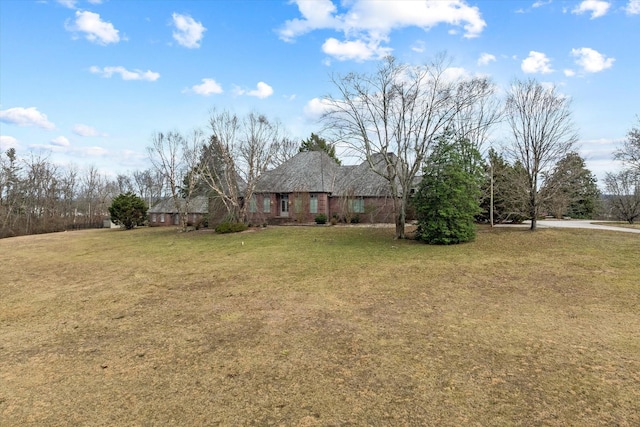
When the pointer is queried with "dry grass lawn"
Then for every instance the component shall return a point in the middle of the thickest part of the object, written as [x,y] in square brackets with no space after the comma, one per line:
[319,326]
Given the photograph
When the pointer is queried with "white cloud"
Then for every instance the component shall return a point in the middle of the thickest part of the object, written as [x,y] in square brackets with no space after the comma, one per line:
[316,107]
[418,46]
[95,29]
[591,60]
[26,117]
[262,91]
[208,87]
[541,3]
[354,50]
[71,4]
[84,130]
[569,73]
[597,8]
[633,8]
[108,72]
[60,141]
[367,24]
[536,62]
[188,31]
[7,142]
[486,58]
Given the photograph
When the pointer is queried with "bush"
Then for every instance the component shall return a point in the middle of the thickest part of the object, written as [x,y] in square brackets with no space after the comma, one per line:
[128,210]
[230,227]
[321,218]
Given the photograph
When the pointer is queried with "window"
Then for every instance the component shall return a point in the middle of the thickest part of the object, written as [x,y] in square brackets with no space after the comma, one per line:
[356,205]
[313,203]
[253,204]
[176,219]
[297,204]
[153,218]
[161,217]
[266,203]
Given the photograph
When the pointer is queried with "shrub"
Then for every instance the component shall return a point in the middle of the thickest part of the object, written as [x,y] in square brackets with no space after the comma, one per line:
[128,210]
[230,227]
[334,220]
[321,218]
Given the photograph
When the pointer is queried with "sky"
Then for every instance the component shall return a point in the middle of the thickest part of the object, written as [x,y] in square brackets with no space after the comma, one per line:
[88,82]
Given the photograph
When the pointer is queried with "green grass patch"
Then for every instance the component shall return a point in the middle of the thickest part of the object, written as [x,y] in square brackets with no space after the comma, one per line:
[319,326]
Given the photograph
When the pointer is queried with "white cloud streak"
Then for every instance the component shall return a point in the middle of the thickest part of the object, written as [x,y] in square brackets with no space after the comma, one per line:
[357,50]
[188,32]
[26,117]
[125,74]
[95,29]
[597,8]
[591,60]
[84,130]
[536,62]
[486,58]
[7,142]
[262,91]
[367,24]
[208,87]
[633,8]
[60,141]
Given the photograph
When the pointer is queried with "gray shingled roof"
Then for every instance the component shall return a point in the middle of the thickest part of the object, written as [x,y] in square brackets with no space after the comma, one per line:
[309,171]
[198,204]
[317,172]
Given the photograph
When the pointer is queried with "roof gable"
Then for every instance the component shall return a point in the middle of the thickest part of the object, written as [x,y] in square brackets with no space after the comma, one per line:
[309,171]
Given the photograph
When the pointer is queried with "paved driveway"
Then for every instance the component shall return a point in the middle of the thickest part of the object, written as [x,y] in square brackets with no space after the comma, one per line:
[576,223]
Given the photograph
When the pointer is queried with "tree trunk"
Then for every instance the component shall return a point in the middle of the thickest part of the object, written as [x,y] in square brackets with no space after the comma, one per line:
[400,216]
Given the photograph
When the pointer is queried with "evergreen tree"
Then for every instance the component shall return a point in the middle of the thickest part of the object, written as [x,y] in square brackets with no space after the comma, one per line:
[128,210]
[317,143]
[448,198]
[572,189]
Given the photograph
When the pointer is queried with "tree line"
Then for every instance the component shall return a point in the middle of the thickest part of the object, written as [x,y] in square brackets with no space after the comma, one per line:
[39,196]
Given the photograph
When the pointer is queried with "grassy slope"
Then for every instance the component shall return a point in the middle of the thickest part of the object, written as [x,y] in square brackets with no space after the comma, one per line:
[319,326]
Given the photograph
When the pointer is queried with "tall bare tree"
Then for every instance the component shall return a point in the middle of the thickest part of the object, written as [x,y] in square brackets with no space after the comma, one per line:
[148,184]
[175,158]
[239,150]
[623,191]
[391,117]
[629,153]
[542,133]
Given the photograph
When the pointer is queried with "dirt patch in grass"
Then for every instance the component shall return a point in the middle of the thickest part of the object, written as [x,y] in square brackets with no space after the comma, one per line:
[319,326]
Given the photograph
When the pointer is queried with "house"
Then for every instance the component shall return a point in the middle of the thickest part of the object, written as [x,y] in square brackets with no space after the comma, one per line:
[164,213]
[312,183]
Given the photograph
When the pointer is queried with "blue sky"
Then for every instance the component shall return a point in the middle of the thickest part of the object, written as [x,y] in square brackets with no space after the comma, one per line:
[88,82]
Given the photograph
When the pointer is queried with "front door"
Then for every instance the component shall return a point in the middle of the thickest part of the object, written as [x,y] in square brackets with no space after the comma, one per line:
[284,205]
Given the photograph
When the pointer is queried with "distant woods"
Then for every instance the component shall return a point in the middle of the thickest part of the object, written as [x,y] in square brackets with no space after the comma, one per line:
[39,196]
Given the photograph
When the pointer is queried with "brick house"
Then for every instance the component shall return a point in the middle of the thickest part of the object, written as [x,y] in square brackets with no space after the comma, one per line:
[311,183]
[164,212]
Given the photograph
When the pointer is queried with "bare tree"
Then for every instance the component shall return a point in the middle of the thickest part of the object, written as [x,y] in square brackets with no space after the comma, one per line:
[239,150]
[175,157]
[543,133]
[148,184]
[391,117]
[629,153]
[623,190]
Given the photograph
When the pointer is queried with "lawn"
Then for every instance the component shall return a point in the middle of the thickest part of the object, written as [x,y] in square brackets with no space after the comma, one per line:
[319,326]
